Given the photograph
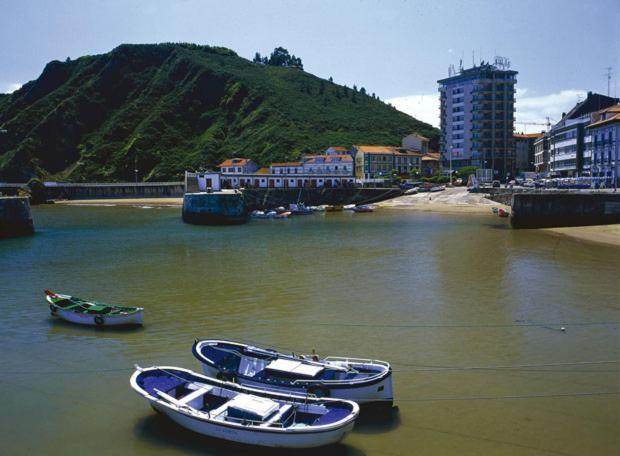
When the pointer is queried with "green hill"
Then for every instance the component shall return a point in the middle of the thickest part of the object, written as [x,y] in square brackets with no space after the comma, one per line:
[172,107]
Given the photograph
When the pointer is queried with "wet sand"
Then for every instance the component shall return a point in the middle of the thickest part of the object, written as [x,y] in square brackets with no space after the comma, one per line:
[605,234]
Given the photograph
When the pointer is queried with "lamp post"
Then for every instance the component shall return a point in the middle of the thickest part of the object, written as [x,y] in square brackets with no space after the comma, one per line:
[450,166]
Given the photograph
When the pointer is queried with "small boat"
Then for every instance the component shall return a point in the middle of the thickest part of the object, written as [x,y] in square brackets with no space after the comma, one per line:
[503,213]
[245,415]
[348,207]
[84,312]
[438,188]
[363,208]
[361,380]
[495,210]
[282,215]
[299,209]
[334,208]
[411,191]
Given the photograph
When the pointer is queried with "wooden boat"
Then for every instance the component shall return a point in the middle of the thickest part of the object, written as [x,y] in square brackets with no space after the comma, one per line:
[363,208]
[236,413]
[360,380]
[299,209]
[84,312]
[334,208]
[503,213]
[437,188]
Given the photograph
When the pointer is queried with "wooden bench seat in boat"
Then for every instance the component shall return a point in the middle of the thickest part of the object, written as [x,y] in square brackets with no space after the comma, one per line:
[279,414]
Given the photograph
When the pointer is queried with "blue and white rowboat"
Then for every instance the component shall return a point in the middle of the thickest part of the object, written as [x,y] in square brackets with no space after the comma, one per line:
[361,380]
[245,415]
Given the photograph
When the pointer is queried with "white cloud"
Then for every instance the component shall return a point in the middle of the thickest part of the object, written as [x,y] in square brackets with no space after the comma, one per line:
[530,108]
[422,107]
[10,88]
[538,108]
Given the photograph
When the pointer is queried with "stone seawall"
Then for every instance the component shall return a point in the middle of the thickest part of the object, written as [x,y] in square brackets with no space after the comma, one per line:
[116,190]
[267,198]
[15,217]
[546,210]
[219,208]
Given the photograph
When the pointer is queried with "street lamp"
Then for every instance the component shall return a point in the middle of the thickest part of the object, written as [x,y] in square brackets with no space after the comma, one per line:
[451,166]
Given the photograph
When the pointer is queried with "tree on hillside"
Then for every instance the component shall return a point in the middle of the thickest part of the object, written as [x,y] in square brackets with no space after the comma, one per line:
[331,79]
[280,57]
[363,91]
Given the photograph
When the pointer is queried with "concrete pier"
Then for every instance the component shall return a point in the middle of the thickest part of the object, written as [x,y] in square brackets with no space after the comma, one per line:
[218,208]
[15,217]
[546,210]
[268,198]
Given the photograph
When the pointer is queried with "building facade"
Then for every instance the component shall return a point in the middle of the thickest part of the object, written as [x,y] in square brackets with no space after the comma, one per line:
[415,142]
[477,118]
[541,155]
[569,146]
[378,162]
[524,151]
[604,146]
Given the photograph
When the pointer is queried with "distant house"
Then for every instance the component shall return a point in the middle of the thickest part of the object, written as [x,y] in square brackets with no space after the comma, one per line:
[415,142]
[329,164]
[287,168]
[336,150]
[604,146]
[431,164]
[238,166]
[376,162]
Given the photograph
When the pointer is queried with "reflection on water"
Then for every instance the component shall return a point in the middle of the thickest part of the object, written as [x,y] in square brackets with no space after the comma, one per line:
[468,312]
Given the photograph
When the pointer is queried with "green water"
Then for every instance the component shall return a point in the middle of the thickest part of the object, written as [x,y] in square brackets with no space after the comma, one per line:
[468,311]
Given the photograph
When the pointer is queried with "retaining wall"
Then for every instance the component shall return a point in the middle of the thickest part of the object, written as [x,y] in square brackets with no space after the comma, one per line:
[15,217]
[544,210]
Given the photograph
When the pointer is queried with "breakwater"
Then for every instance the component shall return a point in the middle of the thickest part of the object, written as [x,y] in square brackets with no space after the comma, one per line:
[15,217]
[266,198]
[74,191]
[219,208]
[546,210]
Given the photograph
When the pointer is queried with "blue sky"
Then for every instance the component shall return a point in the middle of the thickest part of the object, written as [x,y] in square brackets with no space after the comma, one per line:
[395,48]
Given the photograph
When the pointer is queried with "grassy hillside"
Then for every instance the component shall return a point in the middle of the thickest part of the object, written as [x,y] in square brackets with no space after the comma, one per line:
[172,107]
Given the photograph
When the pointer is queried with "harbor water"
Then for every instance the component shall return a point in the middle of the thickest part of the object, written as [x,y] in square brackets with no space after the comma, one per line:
[503,342]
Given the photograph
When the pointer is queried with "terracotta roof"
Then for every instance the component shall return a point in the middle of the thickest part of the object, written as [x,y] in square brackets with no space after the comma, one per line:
[341,148]
[235,162]
[527,135]
[410,153]
[431,156]
[263,171]
[615,118]
[377,149]
[287,164]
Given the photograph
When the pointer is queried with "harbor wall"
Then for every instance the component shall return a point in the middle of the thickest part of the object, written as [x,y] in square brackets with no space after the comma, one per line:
[15,217]
[73,191]
[220,208]
[545,210]
[267,198]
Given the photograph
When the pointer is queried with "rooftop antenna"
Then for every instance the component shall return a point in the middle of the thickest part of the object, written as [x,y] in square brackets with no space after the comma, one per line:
[609,73]
[473,58]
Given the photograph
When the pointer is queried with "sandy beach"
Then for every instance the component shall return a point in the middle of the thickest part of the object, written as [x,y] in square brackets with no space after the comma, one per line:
[605,234]
[155,202]
[451,200]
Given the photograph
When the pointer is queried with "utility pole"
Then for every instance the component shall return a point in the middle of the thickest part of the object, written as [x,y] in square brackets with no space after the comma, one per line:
[608,79]
[135,168]
[450,166]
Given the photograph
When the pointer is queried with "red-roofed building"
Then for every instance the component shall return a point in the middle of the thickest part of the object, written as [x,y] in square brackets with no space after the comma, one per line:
[238,166]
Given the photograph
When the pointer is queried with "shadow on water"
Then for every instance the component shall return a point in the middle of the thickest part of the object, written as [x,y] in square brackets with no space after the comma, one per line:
[495,226]
[159,431]
[377,420]
[60,325]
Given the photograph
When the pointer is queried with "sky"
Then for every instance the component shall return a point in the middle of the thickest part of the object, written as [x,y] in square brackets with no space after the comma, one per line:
[395,48]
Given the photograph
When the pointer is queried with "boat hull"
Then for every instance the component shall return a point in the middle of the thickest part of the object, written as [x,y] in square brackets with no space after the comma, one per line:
[377,390]
[251,437]
[105,320]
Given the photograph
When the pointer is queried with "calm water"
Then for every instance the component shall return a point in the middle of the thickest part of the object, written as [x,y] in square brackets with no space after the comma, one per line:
[468,311]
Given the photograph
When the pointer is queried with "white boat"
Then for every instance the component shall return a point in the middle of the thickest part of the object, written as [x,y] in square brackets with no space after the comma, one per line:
[438,188]
[348,207]
[411,191]
[361,380]
[81,311]
[245,415]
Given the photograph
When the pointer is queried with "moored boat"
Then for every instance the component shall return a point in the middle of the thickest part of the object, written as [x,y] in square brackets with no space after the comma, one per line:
[363,208]
[245,415]
[77,310]
[503,213]
[361,380]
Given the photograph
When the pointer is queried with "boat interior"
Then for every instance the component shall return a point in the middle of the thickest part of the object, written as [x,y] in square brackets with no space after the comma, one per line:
[86,307]
[228,405]
[272,367]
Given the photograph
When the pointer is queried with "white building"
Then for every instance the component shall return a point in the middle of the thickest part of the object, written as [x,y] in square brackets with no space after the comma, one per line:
[415,142]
